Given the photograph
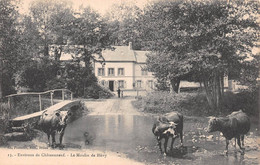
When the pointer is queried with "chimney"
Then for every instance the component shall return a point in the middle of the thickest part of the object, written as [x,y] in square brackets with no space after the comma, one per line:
[130,46]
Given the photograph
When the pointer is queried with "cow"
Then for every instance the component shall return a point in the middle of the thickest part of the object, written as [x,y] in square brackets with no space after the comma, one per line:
[235,125]
[52,122]
[170,125]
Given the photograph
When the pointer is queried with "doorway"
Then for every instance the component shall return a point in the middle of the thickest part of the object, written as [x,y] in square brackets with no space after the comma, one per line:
[111,85]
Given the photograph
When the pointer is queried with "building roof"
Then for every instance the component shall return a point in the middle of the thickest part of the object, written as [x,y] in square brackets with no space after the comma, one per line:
[124,53]
[118,54]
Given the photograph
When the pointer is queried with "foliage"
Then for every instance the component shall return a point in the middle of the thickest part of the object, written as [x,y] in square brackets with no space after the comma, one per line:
[203,39]
[247,101]
[51,19]
[89,31]
[9,41]
[97,92]
[195,104]
[123,26]
[163,102]
[4,121]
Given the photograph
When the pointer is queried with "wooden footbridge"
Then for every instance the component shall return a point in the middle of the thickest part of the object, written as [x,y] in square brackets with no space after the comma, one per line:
[19,125]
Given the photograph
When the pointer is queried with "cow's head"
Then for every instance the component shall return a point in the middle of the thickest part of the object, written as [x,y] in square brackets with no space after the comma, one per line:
[212,125]
[165,129]
[171,131]
[63,118]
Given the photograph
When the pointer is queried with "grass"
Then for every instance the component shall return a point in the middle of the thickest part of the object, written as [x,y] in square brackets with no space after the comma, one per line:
[4,121]
[195,103]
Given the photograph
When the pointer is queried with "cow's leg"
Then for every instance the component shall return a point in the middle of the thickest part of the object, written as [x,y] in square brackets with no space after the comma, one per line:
[239,144]
[181,137]
[165,144]
[48,135]
[159,143]
[53,139]
[61,136]
[242,140]
[172,143]
[227,143]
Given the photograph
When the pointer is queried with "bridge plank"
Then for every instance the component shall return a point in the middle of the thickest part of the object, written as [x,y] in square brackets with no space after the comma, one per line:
[51,109]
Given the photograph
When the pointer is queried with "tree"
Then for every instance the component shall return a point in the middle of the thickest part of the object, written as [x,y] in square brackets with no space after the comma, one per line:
[122,21]
[9,54]
[210,39]
[222,37]
[89,34]
[52,18]
[161,31]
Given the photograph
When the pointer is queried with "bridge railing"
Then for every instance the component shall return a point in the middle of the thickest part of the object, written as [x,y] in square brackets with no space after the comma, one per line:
[25,103]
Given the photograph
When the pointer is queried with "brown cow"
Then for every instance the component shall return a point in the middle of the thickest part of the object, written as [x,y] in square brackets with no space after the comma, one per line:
[52,123]
[235,125]
[170,125]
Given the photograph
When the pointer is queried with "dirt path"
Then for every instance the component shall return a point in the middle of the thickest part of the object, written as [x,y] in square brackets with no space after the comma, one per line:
[111,106]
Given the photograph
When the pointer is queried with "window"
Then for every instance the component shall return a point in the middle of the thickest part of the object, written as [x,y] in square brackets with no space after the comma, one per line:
[101,72]
[139,84]
[144,72]
[111,72]
[121,71]
[150,84]
[121,83]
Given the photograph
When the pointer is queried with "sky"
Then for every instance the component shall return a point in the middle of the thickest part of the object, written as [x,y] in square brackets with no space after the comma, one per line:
[100,5]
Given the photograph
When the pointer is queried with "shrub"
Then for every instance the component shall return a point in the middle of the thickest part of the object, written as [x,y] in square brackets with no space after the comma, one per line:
[96,91]
[163,102]
[244,100]
[196,104]
[23,105]
[4,122]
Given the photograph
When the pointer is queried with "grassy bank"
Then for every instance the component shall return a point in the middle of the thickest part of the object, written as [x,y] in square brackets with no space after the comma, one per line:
[195,104]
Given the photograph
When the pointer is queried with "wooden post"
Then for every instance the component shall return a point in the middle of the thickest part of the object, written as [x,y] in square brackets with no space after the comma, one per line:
[52,97]
[40,102]
[71,95]
[62,94]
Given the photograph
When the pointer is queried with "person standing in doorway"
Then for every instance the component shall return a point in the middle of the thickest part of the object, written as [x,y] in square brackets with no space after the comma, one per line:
[118,92]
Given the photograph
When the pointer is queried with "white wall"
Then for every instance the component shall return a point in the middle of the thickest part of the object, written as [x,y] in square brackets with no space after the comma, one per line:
[133,72]
[127,77]
[143,78]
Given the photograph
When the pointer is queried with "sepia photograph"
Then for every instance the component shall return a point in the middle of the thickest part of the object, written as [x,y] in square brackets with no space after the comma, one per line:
[129,82]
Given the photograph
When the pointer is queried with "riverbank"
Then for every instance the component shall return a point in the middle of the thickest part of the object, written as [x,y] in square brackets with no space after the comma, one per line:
[195,103]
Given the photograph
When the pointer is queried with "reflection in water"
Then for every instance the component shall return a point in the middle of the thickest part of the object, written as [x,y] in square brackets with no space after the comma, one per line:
[132,135]
[113,132]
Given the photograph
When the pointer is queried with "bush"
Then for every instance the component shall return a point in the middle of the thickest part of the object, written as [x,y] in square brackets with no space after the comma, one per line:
[96,91]
[23,105]
[4,122]
[4,116]
[244,100]
[163,102]
[196,104]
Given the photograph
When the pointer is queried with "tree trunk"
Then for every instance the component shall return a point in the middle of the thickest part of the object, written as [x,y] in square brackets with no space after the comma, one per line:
[175,83]
[214,90]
